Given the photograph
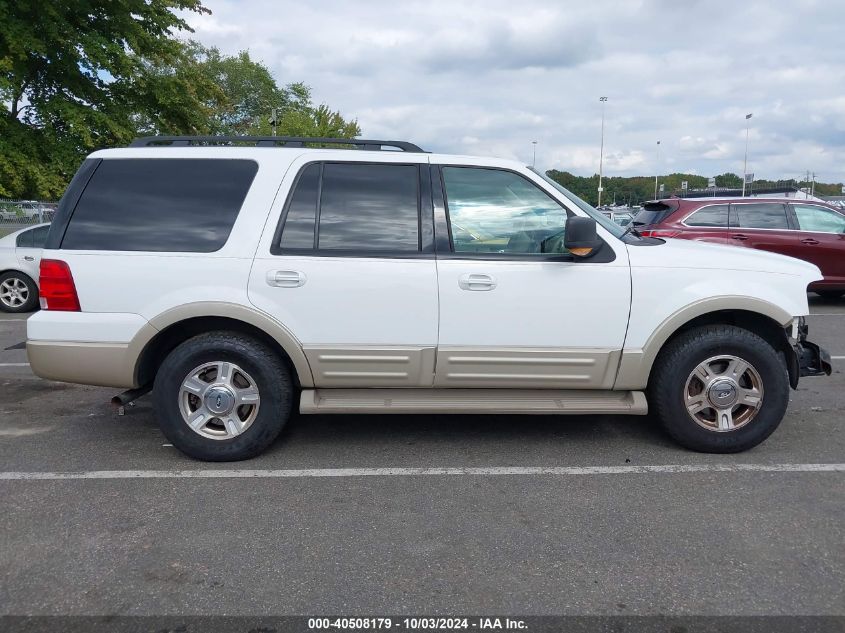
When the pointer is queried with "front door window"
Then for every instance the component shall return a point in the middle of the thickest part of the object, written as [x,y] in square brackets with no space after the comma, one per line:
[818,219]
[496,211]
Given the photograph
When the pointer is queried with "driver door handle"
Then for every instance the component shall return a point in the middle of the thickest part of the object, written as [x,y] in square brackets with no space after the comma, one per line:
[476,281]
[740,237]
[809,240]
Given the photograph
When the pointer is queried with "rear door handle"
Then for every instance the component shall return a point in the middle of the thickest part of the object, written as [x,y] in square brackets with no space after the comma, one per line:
[476,281]
[286,278]
[809,240]
[30,258]
[740,237]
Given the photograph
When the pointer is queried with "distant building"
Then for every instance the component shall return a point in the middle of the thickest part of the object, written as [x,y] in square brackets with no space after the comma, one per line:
[762,192]
[837,201]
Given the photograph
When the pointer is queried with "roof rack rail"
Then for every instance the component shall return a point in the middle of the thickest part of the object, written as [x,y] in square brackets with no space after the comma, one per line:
[271,141]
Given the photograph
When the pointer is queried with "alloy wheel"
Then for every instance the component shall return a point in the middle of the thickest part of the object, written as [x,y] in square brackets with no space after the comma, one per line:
[13,292]
[723,393]
[219,400]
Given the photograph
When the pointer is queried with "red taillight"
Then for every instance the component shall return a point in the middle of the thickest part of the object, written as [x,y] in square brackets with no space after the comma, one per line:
[659,233]
[57,290]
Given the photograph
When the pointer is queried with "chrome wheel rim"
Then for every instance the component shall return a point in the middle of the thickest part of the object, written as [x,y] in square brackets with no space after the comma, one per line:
[14,292]
[723,393]
[219,400]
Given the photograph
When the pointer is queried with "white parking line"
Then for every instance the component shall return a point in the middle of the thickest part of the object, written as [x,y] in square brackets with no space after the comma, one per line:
[416,472]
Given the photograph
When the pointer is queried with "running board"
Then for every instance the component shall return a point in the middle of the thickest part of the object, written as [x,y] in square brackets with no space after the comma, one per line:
[557,402]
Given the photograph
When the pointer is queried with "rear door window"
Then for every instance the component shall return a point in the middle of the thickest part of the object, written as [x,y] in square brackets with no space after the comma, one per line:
[353,207]
[712,216]
[369,208]
[33,238]
[759,216]
[39,236]
[160,205]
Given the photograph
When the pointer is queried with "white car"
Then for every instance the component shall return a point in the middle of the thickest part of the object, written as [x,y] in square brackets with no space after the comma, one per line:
[622,218]
[240,279]
[20,256]
[33,210]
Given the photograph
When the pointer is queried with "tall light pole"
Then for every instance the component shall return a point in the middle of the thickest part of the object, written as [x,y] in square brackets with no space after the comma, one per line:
[657,167]
[603,100]
[745,161]
[534,156]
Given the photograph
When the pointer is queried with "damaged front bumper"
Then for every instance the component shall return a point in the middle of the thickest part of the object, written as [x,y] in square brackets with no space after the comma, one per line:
[809,359]
[812,360]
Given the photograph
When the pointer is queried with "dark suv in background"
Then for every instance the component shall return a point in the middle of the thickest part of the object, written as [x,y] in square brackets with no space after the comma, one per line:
[805,229]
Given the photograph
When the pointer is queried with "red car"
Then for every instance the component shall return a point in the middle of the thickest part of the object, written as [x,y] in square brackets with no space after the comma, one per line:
[808,230]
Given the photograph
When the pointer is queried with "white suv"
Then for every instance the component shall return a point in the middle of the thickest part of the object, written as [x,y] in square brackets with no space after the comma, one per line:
[242,278]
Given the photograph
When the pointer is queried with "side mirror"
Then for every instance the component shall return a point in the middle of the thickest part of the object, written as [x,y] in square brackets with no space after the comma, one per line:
[581,238]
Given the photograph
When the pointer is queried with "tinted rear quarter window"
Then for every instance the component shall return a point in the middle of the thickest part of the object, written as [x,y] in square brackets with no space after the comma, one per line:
[712,216]
[24,239]
[160,205]
[759,216]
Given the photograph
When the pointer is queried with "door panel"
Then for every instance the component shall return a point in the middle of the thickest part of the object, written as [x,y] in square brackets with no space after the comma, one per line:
[822,238]
[514,311]
[29,249]
[545,324]
[351,301]
[29,260]
[347,275]
[764,226]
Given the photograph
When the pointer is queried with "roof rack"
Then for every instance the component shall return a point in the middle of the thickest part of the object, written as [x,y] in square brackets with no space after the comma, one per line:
[271,141]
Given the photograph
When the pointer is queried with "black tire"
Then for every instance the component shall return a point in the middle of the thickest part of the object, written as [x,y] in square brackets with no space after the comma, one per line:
[681,356]
[31,302]
[270,373]
[830,295]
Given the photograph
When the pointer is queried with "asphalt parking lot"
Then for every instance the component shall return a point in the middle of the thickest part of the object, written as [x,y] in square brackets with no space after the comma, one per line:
[755,533]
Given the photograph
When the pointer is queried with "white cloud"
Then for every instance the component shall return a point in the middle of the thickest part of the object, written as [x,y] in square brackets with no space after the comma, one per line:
[490,76]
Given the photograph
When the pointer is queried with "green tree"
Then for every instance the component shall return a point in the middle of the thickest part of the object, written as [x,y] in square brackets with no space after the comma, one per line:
[250,94]
[729,180]
[237,96]
[301,118]
[249,90]
[75,75]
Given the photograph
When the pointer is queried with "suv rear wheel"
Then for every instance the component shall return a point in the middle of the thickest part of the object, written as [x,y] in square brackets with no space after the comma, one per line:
[222,396]
[719,389]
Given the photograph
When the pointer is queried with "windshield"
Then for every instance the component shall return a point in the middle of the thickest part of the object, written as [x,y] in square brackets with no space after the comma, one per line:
[606,222]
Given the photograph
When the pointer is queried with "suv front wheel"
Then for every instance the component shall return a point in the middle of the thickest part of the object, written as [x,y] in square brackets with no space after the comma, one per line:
[719,389]
[222,396]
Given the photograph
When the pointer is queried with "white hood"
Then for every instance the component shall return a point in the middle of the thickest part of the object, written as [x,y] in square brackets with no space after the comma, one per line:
[702,255]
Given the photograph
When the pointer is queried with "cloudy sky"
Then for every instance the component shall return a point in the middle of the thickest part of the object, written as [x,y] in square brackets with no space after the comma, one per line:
[488,77]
